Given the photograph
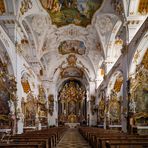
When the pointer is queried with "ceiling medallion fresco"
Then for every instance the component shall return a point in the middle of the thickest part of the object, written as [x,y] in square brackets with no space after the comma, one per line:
[72,46]
[78,12]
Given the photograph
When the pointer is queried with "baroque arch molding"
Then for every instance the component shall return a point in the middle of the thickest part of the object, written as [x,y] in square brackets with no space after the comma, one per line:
[138,54]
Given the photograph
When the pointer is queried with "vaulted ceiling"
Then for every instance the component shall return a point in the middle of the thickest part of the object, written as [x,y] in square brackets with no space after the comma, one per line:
[89,33]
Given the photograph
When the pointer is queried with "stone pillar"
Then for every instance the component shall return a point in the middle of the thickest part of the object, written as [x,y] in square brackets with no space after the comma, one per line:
[20,122]
[92,93]
[124,111]
[108,65]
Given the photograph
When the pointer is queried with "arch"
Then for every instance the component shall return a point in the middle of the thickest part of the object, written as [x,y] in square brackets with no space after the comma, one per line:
[31,37]
[8,45]
[81,63]
[138,55]
[4,56]
[103,26]
[56,76]
[111,50]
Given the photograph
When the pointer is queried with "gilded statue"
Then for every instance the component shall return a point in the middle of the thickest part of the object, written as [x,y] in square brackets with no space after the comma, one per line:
[72,118]
[101,108]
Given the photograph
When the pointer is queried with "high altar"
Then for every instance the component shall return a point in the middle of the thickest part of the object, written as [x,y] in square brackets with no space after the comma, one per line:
[72,104]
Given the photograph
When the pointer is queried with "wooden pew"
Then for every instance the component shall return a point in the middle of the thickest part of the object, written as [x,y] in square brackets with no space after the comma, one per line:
[102,143]
[28,140]
[91,134]
[126,144]
[98,137]
[21,145]
[47,137]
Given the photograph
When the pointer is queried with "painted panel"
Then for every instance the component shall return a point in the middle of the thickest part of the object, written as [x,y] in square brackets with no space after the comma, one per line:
[72,46]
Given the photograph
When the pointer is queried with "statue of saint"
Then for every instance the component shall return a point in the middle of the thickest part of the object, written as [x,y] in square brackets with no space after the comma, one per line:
[71,107]
[72,118]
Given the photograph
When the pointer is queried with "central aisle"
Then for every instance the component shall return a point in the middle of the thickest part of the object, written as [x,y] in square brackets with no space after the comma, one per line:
[73,139]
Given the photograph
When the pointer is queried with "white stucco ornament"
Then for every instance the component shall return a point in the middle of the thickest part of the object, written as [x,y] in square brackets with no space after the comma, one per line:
[104,24]
[39,23]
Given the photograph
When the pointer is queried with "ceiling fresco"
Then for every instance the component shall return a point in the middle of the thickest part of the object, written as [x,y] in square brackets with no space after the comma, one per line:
[78,12]
[71,72]
[72,46]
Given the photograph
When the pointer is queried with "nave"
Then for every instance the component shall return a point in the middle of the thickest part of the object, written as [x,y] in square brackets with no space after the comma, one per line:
[73,139]
[73,64]
[81,137]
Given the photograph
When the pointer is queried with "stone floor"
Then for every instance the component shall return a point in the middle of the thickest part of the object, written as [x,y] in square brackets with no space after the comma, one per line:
[73,139]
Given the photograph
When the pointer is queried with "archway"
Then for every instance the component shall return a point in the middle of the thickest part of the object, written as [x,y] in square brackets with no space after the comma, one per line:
[114,101]
[72,102]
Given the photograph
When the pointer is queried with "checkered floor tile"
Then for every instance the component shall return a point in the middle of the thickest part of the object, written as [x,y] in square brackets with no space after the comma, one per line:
[73,139]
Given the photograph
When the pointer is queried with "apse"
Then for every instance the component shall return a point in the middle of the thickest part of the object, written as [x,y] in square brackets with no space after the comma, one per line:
[72,103]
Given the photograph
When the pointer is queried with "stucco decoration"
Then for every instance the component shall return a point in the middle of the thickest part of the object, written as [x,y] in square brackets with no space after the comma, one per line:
[104,23]
[78,12]
[71,72]
[71,32]
[39,23]
[72,59]
[95,57]
[72,46]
